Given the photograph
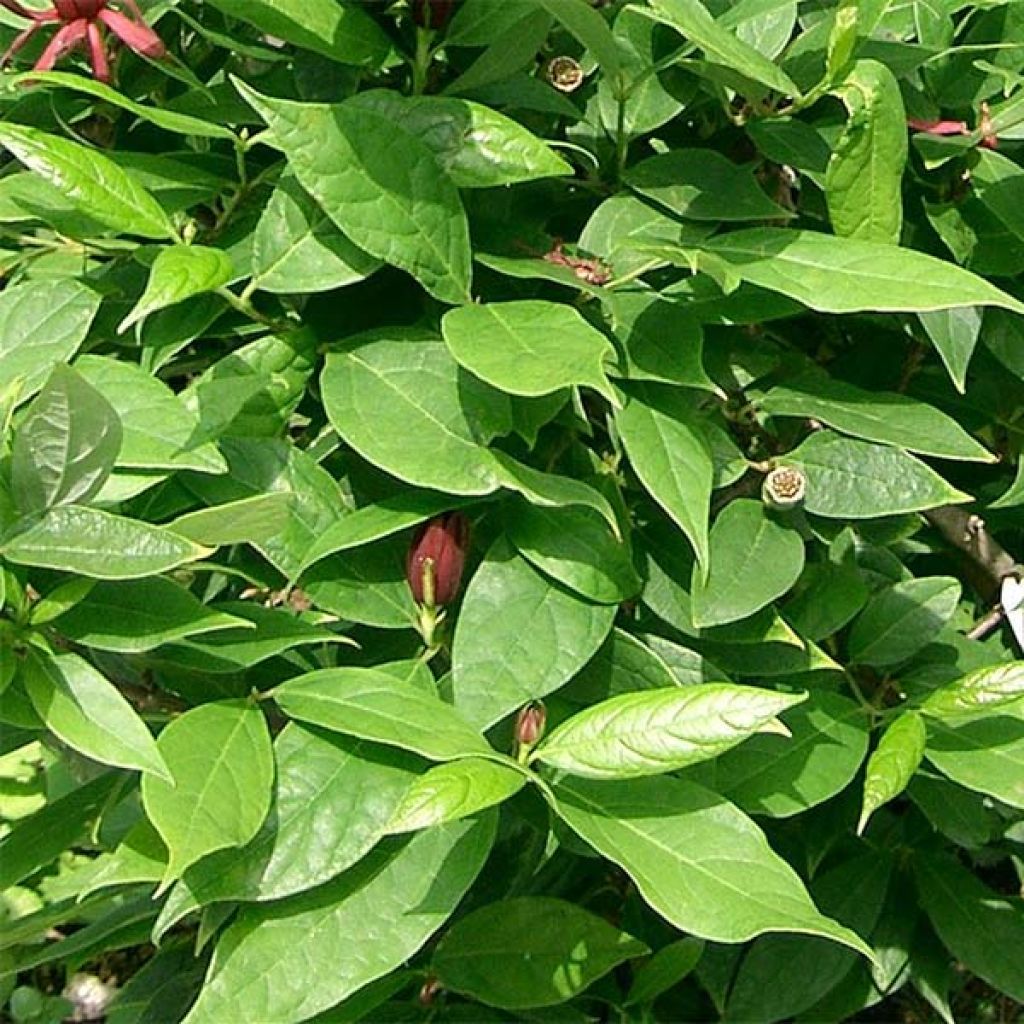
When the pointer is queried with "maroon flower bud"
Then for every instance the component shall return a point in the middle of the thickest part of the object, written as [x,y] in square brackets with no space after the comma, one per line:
[436,558]
[530,724]
[432,13]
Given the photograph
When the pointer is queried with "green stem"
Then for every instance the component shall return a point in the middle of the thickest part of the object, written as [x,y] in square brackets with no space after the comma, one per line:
[421,61]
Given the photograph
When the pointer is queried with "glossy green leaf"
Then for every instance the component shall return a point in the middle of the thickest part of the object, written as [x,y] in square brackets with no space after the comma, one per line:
[66,445]
[955,334]
[221,761]
[880,416]
[655,731]
[373,179]
[982,752]
[993,686]
[235,522]
[522,953]
[668,836]
[892,764]
[454,790]
[899,620]
[366,923]
[375,706]
[754,559]
[519,637]
[89,714]
[180,272]
[529,347]
[863,183]
[669,966]
[848,479]
[99,545]
[93,182]
[999,183]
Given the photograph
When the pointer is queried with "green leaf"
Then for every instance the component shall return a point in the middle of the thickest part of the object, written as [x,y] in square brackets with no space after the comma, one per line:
[828,596]
[782,776]
[375,706]
[954,333]
[235,522]
[999,183]
[754,559]
[529,347]
[133,616]
[89,714]
[993,686]
[701,184]
[899,620]
[668,836]
[844,275]
[99,545]
[343,32]
[1013,496]
[691,19]
[670,965]
[849,479]
[984,753]
[982,929]
[139,858]
[222,764]
[366,923]
[655,731]
[669,452]
[298,249]
[532,951]
[162,990]
[454,790]
[379,183]
[66,445]
[475,146]
[863,184]
[42,322]
[93,182]
[180,272]
[590,29]
[158,432]
[892,764]
[575,547]
[398,398]
[875,416]
[333,800]
[518,637]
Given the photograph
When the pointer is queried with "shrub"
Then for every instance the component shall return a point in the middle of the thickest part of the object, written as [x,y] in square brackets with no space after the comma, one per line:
[505,509]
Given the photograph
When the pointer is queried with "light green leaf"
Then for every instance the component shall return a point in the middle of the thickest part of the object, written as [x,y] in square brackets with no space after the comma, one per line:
[1013,496]
[88,713]
[343,32]
[42,322]
[863,184]
[984,753]
[702,184]
[66,445]
[998,182]
[669,453]
[380,185]
[247,520]
[691,19]
[93,182]
[178,273]
[375,706]
[531,951]
[97,544]
[366,923]
[892,764]
[986,688]
[655,731]
[955,334]
[669,836]
[899,620]
[880,416]
[519,637]
[574,546]
[529,347]
[298,249]
[222,764]
[474,145]
[754,559]
[455,790]
[849,479]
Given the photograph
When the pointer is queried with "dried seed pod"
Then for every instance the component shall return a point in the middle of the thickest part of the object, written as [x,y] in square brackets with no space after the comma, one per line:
[564,73]
[785,487]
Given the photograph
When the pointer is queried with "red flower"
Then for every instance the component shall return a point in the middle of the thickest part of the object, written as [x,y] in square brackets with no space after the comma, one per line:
[436,558]
[80,22]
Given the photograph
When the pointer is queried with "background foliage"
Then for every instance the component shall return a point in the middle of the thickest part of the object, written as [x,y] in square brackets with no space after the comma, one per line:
[708,318]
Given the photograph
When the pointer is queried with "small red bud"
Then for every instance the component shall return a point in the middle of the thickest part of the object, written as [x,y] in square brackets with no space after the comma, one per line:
[530,724]
[437,556]
[432,13]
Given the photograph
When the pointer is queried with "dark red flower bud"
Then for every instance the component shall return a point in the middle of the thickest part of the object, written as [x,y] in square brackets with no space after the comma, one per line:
[530,724]
[436,558]
[432,13]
